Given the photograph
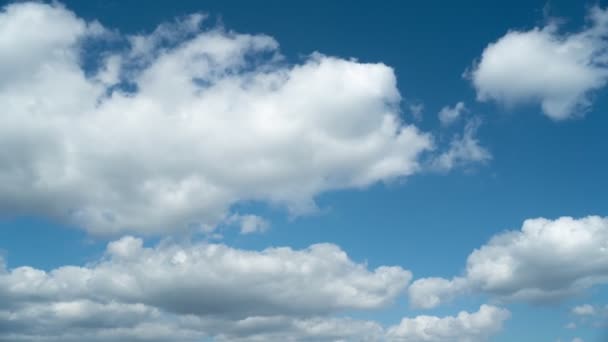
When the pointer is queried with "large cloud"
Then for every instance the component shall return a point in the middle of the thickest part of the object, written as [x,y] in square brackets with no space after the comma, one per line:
[189,293]
[78,321]
[177,293]
[175,127]
[209,279]
[558,70]
[544,261]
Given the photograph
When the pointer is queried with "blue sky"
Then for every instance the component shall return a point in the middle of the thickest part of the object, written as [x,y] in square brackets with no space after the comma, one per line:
[319,171]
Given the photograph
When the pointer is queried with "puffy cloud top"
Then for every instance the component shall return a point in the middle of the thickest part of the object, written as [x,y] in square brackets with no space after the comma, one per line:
[189,293]
[205,279]
[182,123]
[558,70]
[545,260]
[465,327]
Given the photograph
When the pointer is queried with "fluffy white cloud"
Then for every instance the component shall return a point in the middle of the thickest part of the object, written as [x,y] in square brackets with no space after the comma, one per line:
[205,279]
[172,130]
[177,293]
[545,260]
[558,70]
[463,150]
[465,327]
[448,115]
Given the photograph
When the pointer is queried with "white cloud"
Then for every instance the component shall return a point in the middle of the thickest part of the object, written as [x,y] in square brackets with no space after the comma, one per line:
[577,339]
[465,327]
[427,293]
[205,279]
[312,329]
[171,132]
[449,115]
[249,223]
[558,70]
[198,291]
[463,150]
[546,260]
[78,321]
[584,310]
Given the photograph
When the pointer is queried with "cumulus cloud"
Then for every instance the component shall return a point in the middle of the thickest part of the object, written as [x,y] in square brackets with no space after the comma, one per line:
[463,150]
[205,279]
[465,327]
[77,321]
[427,293]
[545,65]
[59,323]
[188,293]
[312,329]
[448,115]
[171,130]
[544,261]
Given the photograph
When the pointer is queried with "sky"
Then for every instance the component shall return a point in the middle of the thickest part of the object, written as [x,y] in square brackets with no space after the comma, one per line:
[314,171]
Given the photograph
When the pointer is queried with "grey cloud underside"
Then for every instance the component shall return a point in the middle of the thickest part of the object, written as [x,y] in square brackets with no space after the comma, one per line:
[547,260]
[207,279]
[186,293]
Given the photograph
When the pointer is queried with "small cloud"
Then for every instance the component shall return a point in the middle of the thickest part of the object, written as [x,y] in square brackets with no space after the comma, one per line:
[249,223]
[417,109]
[449,115]
[584,310]
[463,150]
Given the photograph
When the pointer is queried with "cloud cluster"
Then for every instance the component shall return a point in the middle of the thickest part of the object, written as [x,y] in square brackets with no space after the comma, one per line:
[184,293]
[544,65]
[172,128]
[589,315]
[546,260]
